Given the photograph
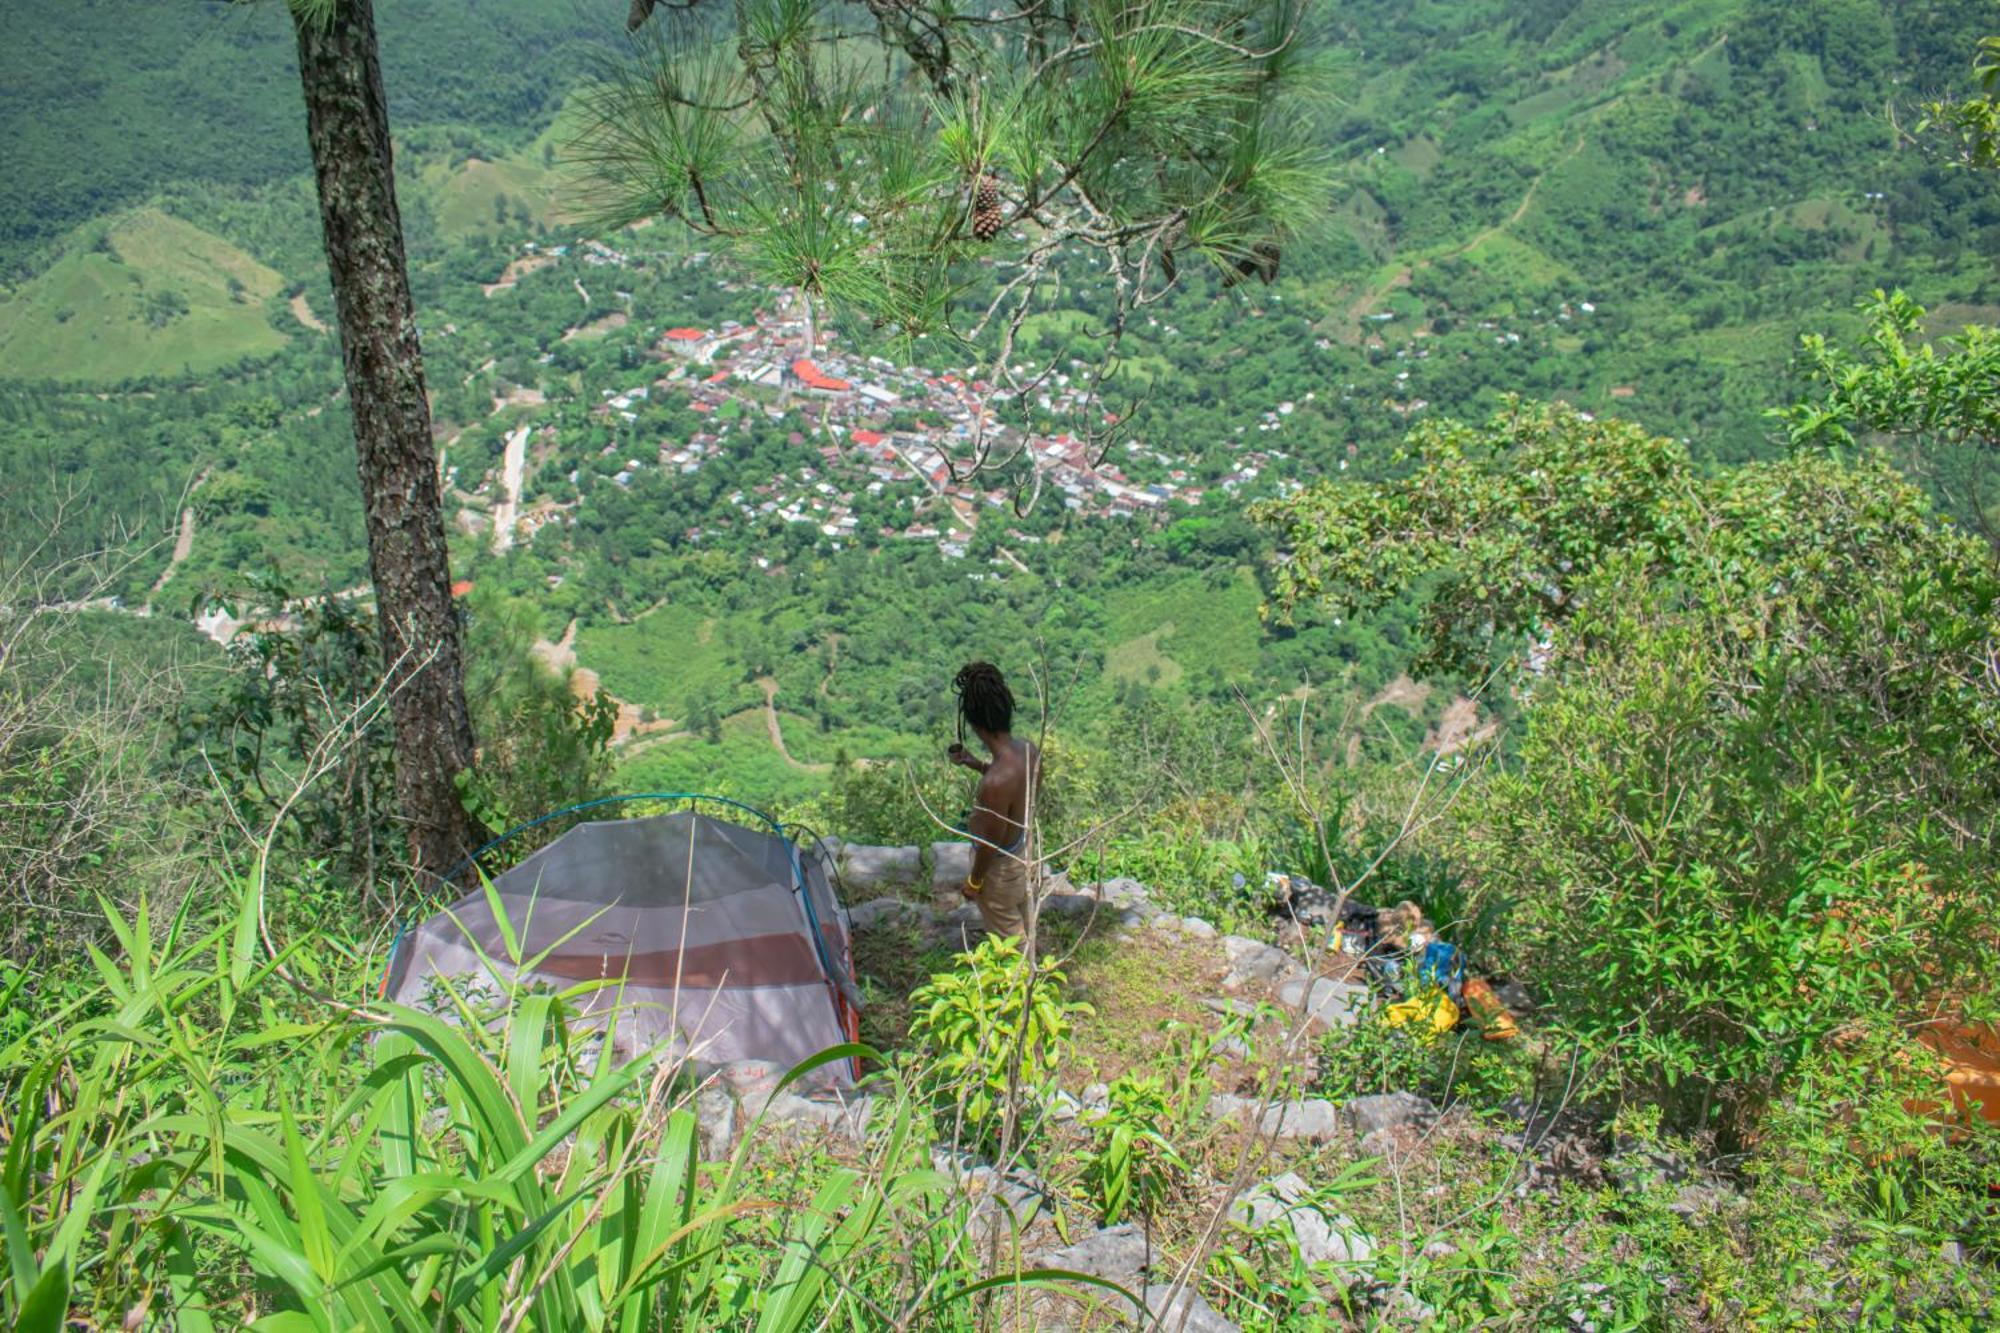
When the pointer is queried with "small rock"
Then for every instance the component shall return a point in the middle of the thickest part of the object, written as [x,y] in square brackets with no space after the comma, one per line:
[1406,1306]
[715,1118]
[1253,960]
[1234,1047]
[792,1113]
[751,1081]
[951,862]
[1131,919]
[879,911]
[880,867]
[1164,921]
[1313,1118]
[1019,1193]
[1387,1111]
[1117,1254]
[1069,904]
[1097,1096]
[1184,1311]
[1320,1239]
[1225,1006]
[1196,928]
[1953,1253]
[1123,892]
[1325,1002]
[1440,1249]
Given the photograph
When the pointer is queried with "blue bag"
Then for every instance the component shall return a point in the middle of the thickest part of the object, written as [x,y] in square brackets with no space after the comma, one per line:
[1443,965]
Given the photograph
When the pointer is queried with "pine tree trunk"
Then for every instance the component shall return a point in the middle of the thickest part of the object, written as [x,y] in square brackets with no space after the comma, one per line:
[347,122]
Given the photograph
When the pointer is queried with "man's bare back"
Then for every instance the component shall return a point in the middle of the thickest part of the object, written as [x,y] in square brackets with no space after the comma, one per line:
[1003,804]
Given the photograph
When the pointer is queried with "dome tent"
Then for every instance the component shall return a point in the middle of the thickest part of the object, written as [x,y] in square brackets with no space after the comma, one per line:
[721,937]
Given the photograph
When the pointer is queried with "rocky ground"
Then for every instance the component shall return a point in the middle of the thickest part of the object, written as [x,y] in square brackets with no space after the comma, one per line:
[1353,1185]
[1260,1137]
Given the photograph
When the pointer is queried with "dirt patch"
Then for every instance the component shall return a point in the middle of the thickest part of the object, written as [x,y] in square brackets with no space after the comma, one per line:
[631,721]
[770,688]
[303,313]
[1459,728]
[518,395]
[597,328]
[559,656]
[1403,693]
[515,271]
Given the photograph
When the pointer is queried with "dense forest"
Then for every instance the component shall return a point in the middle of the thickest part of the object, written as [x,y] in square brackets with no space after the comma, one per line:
[1579,538]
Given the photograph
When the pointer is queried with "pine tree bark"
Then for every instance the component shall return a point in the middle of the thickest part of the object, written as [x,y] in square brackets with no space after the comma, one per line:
[347,122]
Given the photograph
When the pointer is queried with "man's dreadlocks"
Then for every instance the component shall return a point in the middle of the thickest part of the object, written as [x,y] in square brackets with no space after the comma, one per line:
[984,700]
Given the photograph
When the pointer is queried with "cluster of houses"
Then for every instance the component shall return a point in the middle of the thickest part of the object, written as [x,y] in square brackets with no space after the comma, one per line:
[877,425]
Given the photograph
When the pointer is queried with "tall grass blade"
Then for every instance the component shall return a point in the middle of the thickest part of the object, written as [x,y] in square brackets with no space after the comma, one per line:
[46,1308]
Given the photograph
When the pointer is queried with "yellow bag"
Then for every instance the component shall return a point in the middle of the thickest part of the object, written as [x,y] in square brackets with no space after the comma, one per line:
[1432,1008]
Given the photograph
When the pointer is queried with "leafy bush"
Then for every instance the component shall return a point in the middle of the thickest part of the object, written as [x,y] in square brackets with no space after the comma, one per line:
[1132,1162]
[991,1034]
[1757,799]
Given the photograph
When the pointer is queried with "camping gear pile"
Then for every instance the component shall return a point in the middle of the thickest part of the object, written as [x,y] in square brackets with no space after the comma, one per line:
[1420,975]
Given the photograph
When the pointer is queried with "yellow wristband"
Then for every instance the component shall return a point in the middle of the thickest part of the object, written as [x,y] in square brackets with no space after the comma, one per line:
[977,886]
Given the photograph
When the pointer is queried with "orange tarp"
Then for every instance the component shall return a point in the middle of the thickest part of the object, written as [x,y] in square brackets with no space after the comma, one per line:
[1970,1053]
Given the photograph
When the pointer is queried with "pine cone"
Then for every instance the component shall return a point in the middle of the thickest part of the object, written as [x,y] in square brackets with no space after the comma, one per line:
[987,215]
[1261,262]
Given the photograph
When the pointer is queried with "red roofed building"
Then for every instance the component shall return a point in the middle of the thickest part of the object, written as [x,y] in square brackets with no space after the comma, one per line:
[867,439]
[810,376]
[695,344]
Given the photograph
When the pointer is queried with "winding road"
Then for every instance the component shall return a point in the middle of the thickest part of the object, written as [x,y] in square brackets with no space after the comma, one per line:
[508,512]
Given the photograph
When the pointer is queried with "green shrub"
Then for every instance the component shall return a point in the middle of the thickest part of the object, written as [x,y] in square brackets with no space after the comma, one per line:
[1757,798]
[990,1035]
[1757,803]
[1132,1163]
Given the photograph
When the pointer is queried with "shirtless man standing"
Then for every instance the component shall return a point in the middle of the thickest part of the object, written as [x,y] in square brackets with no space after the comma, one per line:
[1001,808]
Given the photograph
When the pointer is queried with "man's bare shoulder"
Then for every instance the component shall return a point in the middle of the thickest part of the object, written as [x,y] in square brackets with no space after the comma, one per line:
[1004,773]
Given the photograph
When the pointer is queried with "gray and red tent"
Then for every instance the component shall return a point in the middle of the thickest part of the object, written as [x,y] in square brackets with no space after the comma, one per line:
[724,940]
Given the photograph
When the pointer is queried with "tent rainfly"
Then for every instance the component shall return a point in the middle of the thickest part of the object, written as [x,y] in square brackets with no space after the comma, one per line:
[679,923]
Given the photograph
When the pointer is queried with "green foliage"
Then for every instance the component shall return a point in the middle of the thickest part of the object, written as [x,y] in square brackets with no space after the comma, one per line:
[1900,386]
[299,729]
[1497,521]
[1975,122]
[991,1033]
[281,1165]
[1132,1164]
[877,187]
[541,747]
[1756,800]
[300,734]
[205,93]
[1937,398]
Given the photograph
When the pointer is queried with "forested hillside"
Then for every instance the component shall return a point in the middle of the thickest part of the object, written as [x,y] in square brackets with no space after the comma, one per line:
[1634,208]
[105,102]
[1487,510]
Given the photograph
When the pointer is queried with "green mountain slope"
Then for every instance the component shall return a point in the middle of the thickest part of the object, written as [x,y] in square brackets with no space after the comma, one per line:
[104,101]
[152,295]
